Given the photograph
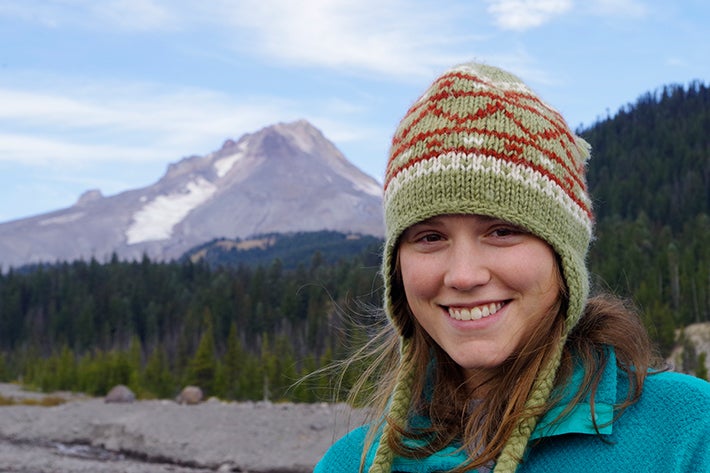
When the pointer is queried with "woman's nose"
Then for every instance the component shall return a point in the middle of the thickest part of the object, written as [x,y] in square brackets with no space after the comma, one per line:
[467,267]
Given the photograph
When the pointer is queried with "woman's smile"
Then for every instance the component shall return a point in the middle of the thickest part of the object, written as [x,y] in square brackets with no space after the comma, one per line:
[476,312]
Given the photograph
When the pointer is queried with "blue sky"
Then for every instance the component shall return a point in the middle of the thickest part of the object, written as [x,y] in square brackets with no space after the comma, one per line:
[104,94]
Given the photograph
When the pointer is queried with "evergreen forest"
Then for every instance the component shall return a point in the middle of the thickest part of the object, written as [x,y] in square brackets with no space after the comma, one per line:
[247,324]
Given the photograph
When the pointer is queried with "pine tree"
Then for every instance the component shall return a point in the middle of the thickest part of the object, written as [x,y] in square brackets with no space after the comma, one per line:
[202,367]
[233,362]
[134,357]
[5,374]
[158,380]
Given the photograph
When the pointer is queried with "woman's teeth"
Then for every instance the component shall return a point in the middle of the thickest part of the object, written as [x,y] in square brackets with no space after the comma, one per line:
[475,313]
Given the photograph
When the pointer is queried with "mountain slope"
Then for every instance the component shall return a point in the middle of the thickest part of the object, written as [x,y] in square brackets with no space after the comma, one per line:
[291,249]
[283,178]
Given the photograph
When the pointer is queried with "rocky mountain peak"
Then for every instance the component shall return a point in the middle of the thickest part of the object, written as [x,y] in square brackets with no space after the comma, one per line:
[89,196]
[185,166]
[286,177]
[228,144]
[285,137]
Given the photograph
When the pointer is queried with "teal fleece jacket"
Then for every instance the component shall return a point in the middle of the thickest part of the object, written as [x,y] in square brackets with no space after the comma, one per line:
[667,430]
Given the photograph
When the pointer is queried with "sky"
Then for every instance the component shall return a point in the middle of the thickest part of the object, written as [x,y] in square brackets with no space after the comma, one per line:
[105,94]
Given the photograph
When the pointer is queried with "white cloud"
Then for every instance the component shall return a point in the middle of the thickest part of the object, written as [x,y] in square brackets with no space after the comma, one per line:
[676,62]
[73,121]
[395,38]
[129,15]
[43,13]
[120,121]
[20,106]
[52,152]
[520,15]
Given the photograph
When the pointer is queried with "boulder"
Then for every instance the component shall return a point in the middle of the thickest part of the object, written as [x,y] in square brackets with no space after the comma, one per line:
[692,345]
[190,395]
[120,393]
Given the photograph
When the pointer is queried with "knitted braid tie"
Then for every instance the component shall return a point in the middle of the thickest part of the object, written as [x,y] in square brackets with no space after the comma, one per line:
[398,412]
[514,449]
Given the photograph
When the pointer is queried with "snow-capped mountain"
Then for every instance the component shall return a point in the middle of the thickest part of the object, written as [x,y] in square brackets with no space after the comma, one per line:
[283,178]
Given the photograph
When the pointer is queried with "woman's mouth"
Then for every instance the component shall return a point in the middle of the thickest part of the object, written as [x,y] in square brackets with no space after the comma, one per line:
[475,313]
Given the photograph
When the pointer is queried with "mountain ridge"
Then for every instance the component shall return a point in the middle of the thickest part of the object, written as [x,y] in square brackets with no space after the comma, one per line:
[285,177]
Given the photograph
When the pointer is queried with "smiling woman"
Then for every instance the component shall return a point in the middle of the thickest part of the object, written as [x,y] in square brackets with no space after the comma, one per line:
[495,358]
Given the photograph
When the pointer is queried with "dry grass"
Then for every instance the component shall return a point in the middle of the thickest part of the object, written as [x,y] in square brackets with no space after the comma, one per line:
[46,401]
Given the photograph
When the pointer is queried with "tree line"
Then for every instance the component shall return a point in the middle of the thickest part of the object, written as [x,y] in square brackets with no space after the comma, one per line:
[237,332]
[649,177]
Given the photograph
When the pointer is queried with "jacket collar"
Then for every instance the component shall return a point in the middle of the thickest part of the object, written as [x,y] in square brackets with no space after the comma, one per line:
[582,417]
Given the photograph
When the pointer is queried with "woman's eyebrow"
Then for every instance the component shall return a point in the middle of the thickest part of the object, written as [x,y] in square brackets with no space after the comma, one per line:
[428,221]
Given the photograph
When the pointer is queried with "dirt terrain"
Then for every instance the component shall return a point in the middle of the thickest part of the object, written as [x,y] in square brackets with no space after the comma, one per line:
[88,435]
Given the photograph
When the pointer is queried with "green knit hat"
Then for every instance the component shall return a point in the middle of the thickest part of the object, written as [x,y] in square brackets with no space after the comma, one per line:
[479,141]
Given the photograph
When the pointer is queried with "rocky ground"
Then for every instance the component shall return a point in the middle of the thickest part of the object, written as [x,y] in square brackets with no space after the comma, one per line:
[88,435]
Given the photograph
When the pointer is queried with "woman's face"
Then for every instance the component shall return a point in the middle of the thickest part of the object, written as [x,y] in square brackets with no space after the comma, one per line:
[477,285]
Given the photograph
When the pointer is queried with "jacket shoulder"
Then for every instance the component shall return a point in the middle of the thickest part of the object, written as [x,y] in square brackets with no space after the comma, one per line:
[676,401]
[665,430]
[345,454]
[684,389]
[672,419]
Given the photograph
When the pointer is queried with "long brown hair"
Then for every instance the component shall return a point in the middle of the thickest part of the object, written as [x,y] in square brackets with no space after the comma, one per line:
[610,321]
[482,427]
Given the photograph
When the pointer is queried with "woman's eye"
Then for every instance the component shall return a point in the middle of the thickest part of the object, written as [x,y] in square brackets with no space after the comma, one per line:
[430,238]
[505,231]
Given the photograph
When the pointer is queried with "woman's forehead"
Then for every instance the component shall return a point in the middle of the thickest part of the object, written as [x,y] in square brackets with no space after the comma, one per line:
[438,218]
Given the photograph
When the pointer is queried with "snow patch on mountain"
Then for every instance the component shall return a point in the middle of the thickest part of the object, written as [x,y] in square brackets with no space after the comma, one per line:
[61,219]
[156,220]
[371,187]
[225,164]
[302,134]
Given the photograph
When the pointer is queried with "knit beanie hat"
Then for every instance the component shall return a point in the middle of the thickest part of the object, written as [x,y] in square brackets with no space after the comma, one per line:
[479,141]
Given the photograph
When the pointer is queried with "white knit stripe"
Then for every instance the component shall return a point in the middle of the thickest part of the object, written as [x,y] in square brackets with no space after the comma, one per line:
[549,164]
[479,72]
[401,160]
[479,163]
[478,140]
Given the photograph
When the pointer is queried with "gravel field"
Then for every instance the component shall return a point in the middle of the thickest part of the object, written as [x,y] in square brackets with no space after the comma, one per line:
[89,435]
